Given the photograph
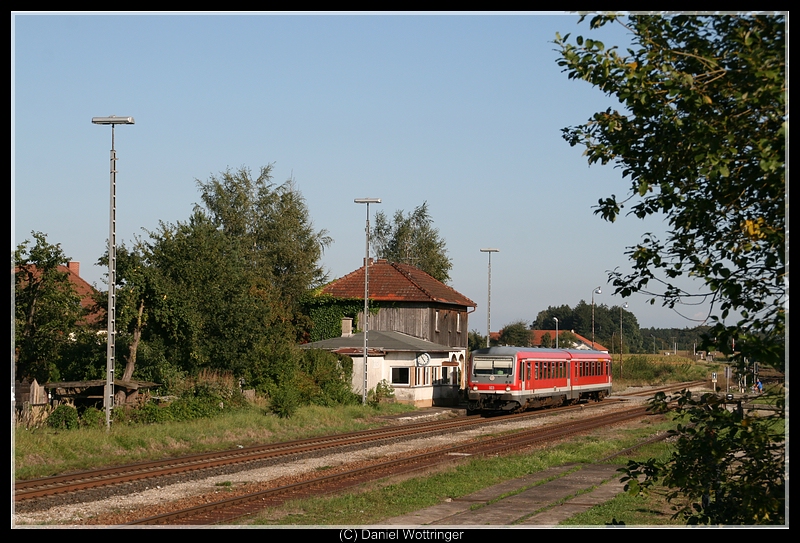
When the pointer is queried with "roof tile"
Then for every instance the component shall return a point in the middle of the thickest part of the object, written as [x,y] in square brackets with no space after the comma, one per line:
[395,282]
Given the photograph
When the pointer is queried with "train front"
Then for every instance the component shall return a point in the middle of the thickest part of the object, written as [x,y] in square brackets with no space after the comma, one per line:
[493,383]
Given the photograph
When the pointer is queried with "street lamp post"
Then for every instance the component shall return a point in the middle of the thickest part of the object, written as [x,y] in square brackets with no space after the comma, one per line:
[620,336]
[595,291]
[366,291]
[108,394]
[556,319]
[489,300]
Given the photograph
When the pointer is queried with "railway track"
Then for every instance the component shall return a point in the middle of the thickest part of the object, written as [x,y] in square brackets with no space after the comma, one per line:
[666,389]
[227,510]
[33,489]
[42,493]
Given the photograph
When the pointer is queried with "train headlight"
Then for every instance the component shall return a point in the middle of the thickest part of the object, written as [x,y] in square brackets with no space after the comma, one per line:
[474,387]
[508,388]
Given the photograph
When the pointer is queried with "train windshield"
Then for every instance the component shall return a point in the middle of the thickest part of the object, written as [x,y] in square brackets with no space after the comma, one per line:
[492,366]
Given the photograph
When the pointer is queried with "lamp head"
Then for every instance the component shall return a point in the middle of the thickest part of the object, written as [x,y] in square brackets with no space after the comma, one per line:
[367,200]
[113,119]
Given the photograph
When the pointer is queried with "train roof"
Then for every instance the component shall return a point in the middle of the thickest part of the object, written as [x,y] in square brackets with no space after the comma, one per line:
[540,351]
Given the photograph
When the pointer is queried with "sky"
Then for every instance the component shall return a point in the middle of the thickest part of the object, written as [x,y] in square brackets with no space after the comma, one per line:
[462,111]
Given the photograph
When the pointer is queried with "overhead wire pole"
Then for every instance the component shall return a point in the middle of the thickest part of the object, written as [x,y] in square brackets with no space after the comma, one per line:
[489,299]
[366,292]
[108,393]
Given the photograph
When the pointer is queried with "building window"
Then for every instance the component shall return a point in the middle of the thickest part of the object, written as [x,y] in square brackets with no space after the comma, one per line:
[458,323]
[423,376]
[436,324]
[400,376]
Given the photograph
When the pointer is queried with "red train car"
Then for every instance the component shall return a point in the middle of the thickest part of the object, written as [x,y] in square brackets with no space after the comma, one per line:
[511,379]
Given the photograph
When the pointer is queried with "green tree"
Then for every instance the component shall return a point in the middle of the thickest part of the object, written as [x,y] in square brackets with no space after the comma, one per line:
[727,466]
[223,290]
[476,340]
[47,310]
[412,239]
[134,299]
[701,137]
[544,320]
[209,308]
[273,223]
[566,340]
[517,333]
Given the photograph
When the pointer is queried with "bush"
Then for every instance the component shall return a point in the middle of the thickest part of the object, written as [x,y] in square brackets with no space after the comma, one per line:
[285,401]
[383,392]
[93,418]
[325,378]
[151,413]
[63,417]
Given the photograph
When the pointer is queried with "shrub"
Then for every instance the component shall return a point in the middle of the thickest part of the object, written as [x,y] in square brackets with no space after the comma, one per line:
[93,418]
[150,413]
[63,417]
[383,392]
[285,401]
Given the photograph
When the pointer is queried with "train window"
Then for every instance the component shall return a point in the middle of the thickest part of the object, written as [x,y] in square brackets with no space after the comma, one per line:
[492,366]
[529,371]
[400,376]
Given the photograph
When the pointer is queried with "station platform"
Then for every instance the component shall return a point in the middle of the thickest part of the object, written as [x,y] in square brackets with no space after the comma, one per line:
[540,499]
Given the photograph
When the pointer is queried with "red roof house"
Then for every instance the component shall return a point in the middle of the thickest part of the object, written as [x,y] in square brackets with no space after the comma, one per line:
[408,300]
[87,292]
[537,335]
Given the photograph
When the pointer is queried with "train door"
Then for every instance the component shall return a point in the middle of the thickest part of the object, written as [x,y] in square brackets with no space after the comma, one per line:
[525,378]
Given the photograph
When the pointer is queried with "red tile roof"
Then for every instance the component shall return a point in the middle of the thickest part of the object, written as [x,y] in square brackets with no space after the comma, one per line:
[394,282]
[83,289]
[537,335]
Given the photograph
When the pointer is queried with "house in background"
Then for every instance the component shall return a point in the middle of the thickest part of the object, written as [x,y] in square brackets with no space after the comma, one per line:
[538,335]
[407,300]
[417,333]
[86,292]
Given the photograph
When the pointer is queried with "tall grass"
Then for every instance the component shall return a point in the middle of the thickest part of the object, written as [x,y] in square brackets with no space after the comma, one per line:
[41,452]
[640,370]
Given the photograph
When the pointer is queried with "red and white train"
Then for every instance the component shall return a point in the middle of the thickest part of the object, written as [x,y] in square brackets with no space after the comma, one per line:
[511,379]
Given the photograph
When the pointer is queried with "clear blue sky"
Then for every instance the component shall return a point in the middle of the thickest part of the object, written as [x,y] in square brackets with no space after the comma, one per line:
[462,111]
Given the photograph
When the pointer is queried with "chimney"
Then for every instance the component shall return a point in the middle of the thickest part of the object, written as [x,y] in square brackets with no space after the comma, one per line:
[347,326]
[74,267]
